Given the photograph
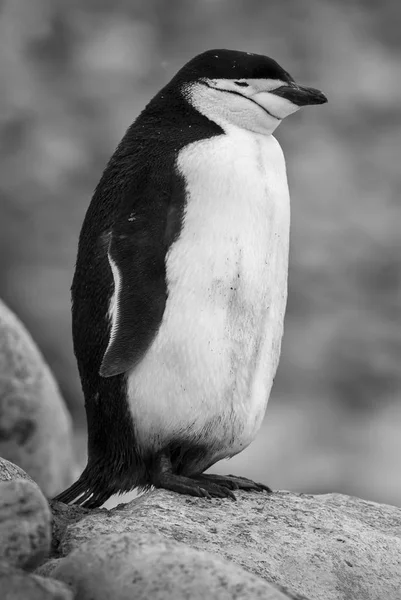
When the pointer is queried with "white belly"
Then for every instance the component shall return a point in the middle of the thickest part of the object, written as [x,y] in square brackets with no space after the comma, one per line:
[209,372]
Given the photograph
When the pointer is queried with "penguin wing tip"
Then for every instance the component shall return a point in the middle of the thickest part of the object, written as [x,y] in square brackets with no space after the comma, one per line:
[109,370]
[115,362]
[104,371]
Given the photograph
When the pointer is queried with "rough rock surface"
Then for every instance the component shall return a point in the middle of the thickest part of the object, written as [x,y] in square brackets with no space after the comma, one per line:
[25,522]
[15,584]
[35,427]
[147,566]
[9,471]
[47,568]
[328,547]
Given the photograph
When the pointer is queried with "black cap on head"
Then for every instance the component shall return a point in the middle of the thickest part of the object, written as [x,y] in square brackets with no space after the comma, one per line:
[231,64]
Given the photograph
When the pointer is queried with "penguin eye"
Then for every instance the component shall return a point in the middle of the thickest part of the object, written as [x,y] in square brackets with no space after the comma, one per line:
[241,83]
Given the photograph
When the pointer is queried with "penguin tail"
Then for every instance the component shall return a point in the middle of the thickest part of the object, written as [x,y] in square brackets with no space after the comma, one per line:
[83,493]
[93,488]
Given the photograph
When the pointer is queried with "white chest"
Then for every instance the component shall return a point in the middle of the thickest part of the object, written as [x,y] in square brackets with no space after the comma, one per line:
[210,368]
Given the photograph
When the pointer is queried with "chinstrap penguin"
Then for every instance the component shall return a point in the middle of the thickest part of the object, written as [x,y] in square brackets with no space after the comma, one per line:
[180,287]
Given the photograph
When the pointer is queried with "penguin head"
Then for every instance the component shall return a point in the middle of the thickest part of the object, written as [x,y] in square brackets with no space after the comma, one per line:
[243,89]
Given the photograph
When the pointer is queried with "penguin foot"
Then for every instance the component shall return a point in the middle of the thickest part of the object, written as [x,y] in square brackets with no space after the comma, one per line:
[202,487]
[233,482]
[192,486]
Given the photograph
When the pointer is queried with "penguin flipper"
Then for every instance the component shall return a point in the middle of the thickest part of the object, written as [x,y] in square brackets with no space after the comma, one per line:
[137,306]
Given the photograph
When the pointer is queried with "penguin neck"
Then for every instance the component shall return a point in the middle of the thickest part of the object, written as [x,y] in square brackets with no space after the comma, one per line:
[229,109]
[171,118]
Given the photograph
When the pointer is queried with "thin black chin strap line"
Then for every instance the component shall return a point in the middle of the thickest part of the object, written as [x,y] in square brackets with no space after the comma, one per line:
[242,96]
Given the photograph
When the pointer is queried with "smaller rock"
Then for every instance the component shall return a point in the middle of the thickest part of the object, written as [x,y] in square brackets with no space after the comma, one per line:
[64,516]
[48,567]
[35,426]
[10,471]
[15,584]
[25,523]
[144,566]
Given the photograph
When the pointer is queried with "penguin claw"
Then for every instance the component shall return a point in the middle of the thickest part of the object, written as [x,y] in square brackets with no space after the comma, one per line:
[214,490]
[233,482]
[205,493]
[247,484]
[219,480]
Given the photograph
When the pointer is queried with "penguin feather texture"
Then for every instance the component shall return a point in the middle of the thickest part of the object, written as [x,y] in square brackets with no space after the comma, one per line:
[217,349]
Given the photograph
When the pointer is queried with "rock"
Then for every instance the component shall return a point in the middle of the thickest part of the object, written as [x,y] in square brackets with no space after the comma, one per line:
[328,547]
[25,523]
[64,516]
[47,568]
[9,471]
[35,426]
[146,566]
[15,584]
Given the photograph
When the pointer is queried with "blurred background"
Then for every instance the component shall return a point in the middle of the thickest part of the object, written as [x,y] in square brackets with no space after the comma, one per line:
[74,75]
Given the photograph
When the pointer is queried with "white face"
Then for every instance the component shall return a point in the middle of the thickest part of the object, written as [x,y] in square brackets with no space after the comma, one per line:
[247,103]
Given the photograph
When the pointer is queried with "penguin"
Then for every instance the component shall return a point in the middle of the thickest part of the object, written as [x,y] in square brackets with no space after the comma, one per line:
[180,285]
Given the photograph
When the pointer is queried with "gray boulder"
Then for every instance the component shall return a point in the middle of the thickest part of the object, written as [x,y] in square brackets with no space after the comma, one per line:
[47,568]
[35,426]
[9,471]
[148,567]
[328,547]
[15,584]
[25,521]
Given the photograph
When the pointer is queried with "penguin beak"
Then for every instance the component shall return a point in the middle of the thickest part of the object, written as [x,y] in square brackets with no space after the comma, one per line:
[300,95]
